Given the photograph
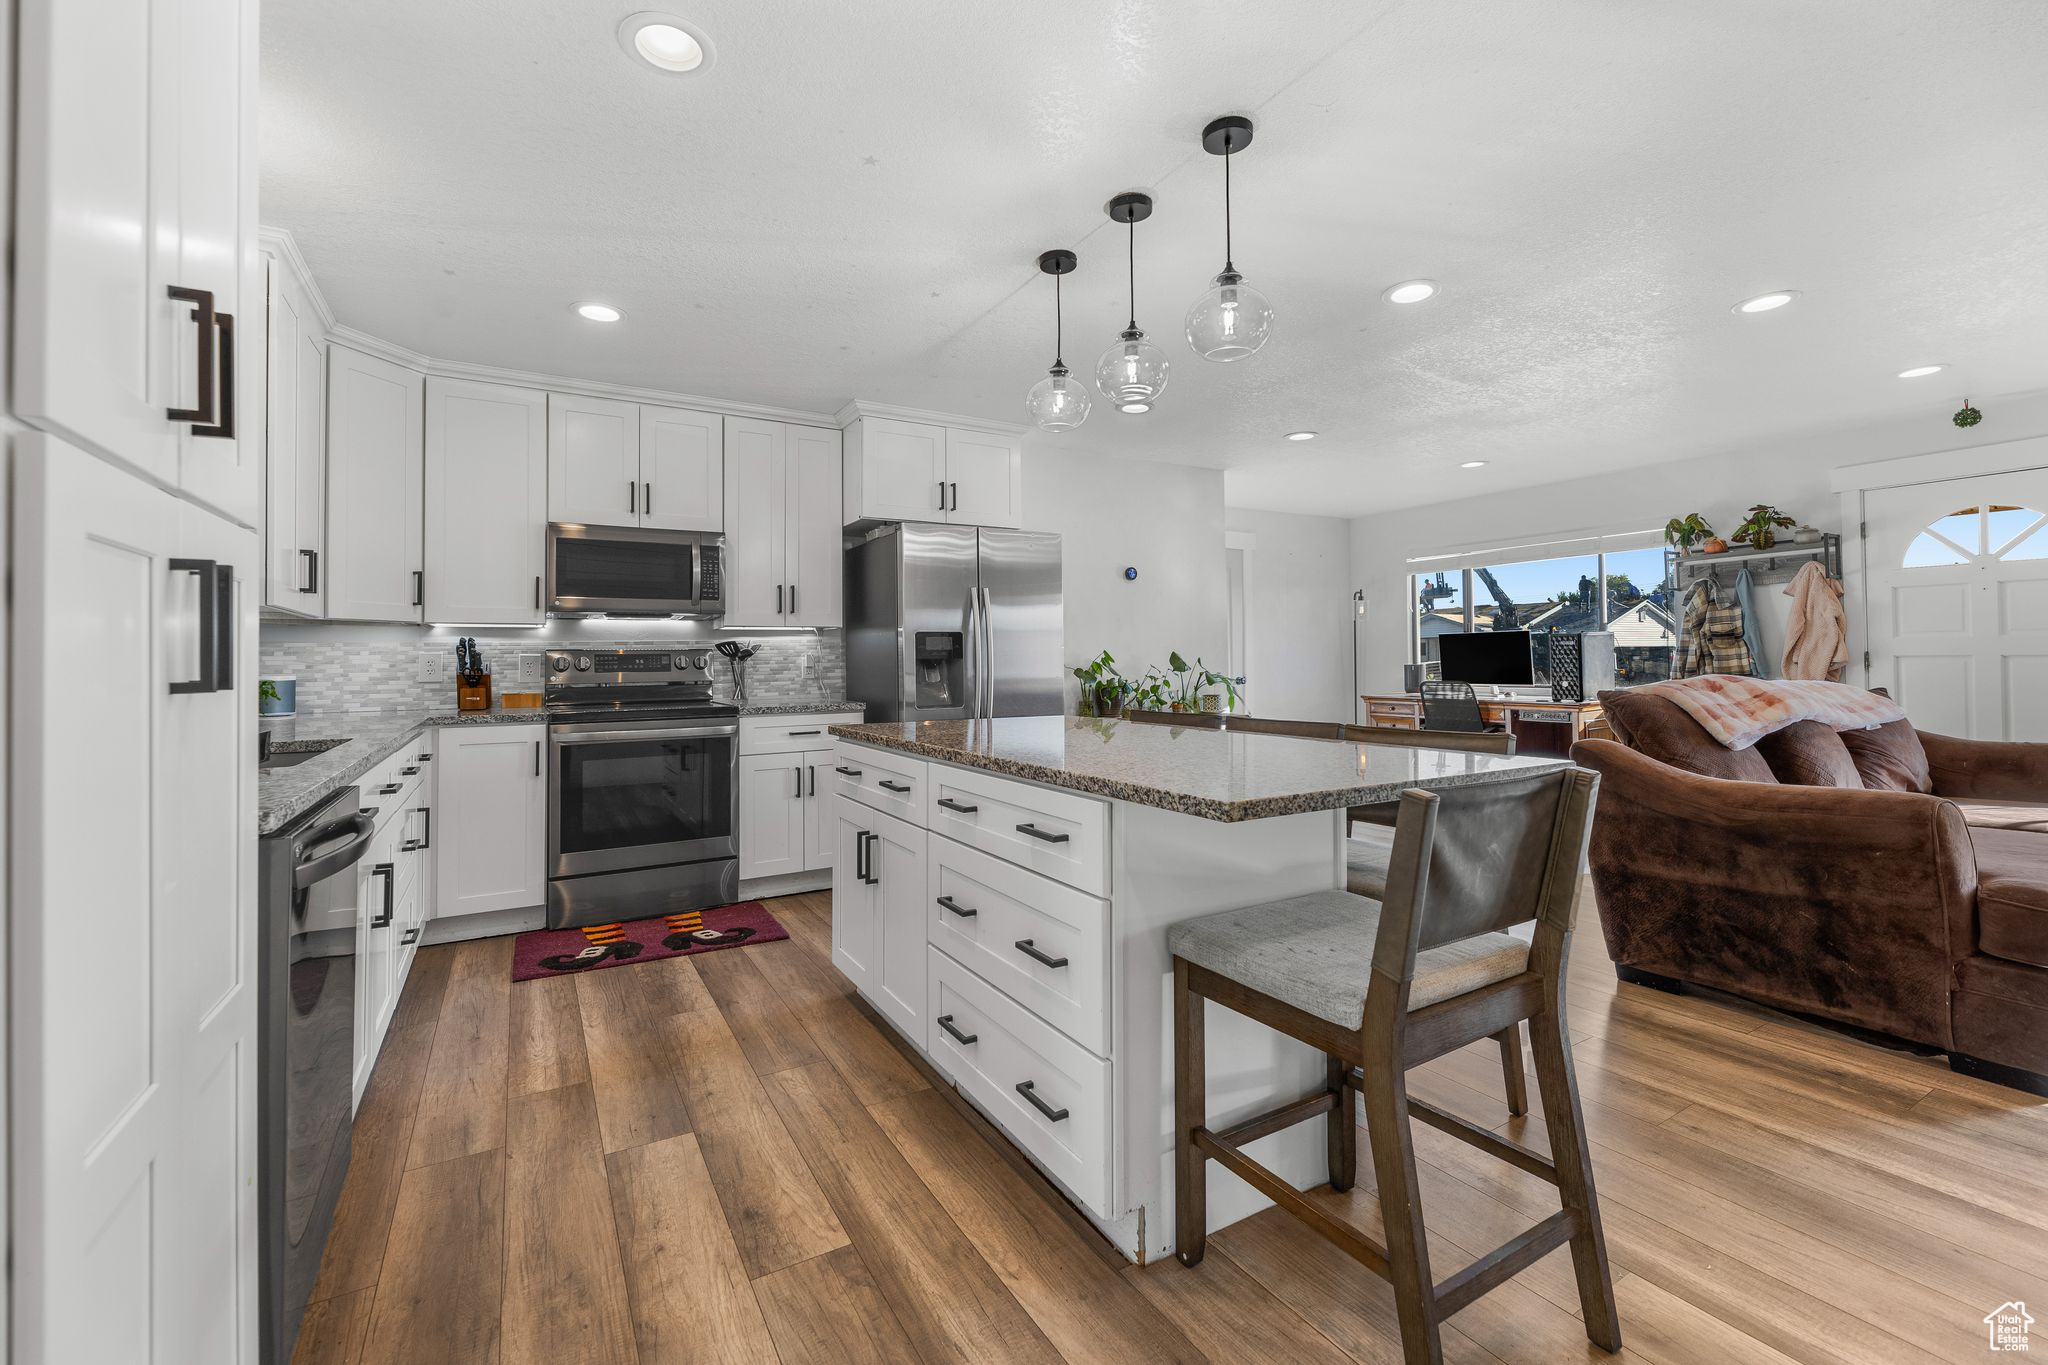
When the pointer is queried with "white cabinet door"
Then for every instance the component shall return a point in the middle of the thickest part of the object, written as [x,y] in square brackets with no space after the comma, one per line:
[813,535]
[134,1065]
[984,479]
[772,808]
[293,445]
[856,929]
[756,523]
[376,417]
[376,939]
[682,469]
[820,829]
[893,471]
[896,860]
[593,461]
[490,823]
[486,502]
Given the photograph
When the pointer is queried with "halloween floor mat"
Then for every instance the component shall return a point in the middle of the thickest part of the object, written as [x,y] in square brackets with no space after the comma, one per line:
[558,952]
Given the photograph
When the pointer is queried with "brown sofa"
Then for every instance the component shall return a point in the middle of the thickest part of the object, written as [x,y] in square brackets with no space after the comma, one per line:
[1886,879]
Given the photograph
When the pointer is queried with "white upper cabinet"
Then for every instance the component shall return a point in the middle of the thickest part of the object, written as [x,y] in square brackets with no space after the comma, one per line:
[682,469]
[916,471]
[376,415]
[593,461]
[136,177]
[294,447]
[486,502]
[782,534]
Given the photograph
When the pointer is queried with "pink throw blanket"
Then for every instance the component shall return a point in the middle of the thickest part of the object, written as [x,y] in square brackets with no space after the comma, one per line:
[1740,711]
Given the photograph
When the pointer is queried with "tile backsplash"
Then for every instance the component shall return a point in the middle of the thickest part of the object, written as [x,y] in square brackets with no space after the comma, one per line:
[356,668]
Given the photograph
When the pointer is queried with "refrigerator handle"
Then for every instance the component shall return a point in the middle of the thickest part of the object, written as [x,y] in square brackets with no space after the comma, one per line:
[988,656]
[974,660]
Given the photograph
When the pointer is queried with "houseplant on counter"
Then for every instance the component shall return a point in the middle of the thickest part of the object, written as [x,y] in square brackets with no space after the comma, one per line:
[1687,533]
[1103,688]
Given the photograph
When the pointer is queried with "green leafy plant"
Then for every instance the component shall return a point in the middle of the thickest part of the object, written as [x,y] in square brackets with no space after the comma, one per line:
[1211,678]
[1103,688]
[267,691]
[1187,682]
[1967,416]
[1153,692]
[1760,528]
[1687,531]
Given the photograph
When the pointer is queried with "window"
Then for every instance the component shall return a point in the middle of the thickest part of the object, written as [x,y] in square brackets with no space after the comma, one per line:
[1979,533]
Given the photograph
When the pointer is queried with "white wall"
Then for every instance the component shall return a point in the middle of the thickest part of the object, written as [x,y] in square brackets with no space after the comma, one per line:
[1792,474]
[1299,665]
[1164,520]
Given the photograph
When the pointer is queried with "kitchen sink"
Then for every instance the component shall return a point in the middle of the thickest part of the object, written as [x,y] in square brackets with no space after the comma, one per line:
[292,752]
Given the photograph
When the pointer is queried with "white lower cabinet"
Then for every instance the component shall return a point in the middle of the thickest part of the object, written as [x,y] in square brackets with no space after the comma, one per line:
[772,810]
[490,828]
[878,928]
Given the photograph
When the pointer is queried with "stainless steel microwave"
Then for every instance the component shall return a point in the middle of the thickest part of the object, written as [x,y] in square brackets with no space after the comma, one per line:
[634,571]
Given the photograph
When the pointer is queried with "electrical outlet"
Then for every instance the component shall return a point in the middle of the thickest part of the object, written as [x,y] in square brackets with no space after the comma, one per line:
[530,667]
[433,665]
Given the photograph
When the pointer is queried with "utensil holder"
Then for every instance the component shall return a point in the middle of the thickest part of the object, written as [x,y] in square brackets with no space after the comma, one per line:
[474,696]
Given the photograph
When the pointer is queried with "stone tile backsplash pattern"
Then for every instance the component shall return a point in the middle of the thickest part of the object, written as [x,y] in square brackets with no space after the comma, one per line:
[358,675]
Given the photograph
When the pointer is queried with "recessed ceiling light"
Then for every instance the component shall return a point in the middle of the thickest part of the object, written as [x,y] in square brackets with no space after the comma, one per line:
[1919,370]
[1473,464]
[1301,435]
[598,312]
[665,42]
[1764,303]
[1411,291]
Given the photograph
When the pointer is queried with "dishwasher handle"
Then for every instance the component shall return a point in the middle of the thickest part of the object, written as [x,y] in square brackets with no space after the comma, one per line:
[322,860]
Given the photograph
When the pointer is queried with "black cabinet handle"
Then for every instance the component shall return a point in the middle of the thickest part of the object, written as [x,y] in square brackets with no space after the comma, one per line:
[948,803]
[798,773]
[946,1023]
[1024,946]
[847,772]
[412,936]
[860,856]
[792,599]
[224,328]
[408,772]
[1041,835]
[390,789]
[874,872]
[386,871]
[1029,1090]
[426,839]
[956,495]
[207,572]
[409,846]
[647,500]
[536,758]
[203,314]
[632,495]
[962,911]
[312,570]
[419,587]
[793,733]
[370,811]
[942,495]
[814,779]
[886,785]
[778,599]
[536,592]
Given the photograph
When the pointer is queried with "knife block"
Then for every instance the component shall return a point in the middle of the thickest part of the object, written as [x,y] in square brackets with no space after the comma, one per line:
[473,696]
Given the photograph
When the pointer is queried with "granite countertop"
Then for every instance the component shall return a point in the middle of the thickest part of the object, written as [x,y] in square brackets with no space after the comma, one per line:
[370,737]
[1214,774]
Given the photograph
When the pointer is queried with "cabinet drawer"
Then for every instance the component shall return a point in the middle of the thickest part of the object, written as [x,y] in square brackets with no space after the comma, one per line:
[786,734]
[1012,1047]
[888,782]
[984,912]
[1401,713]
[1063,836]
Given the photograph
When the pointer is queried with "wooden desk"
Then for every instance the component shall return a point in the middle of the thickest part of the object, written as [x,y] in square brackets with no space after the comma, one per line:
[1539,727]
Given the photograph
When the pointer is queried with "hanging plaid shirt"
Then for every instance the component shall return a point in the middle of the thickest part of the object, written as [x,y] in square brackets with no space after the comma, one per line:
[1711,636]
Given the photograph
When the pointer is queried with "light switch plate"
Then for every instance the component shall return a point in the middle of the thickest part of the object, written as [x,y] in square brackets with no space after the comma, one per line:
[530,667]
[433,665]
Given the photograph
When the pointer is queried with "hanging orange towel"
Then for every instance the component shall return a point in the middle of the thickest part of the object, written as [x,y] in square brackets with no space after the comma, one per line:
[1817,637]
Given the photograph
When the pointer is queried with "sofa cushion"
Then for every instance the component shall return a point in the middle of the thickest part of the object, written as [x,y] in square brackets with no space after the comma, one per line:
[1659,728]
[2026,815]
[1807,753]
[2012,895]
[1890,757]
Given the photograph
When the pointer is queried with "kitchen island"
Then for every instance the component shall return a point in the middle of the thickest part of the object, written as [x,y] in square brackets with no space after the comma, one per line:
[1002,891]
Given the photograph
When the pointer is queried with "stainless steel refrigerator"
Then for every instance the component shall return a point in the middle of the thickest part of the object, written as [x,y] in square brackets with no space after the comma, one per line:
[955,622]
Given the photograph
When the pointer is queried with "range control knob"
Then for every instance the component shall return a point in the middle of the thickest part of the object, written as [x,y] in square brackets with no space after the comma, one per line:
[560,663]
[582,663]
[688,662]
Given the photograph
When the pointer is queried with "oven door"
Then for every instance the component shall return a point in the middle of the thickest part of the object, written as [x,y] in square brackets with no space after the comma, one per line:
[627,570]
[636,794]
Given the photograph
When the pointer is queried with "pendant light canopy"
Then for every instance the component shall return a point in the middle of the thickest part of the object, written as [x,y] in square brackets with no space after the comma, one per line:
[1233,319]
[1132,372]
[1057,402]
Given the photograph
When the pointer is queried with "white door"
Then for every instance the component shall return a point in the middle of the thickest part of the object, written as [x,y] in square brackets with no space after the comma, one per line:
[376,418]
[756,520]
[984,479]
[490,820]
[593,461]
[813,528]
[856,930]
[486,502]
[896,859]
[1957,606]
[898,472]
[771,814]
[820,829]
[682,469]
[133,1064]
[293,450]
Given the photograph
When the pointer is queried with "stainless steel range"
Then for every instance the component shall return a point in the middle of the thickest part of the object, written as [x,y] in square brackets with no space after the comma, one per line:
[643,796]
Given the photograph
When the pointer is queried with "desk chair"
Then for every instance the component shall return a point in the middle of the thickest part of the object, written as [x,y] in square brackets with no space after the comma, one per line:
[1452,707]
[1383,988]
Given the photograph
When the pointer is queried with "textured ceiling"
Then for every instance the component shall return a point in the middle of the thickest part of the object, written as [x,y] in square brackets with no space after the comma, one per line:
[851,201]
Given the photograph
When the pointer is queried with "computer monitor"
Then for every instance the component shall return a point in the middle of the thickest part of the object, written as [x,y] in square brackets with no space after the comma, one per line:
[1488,658]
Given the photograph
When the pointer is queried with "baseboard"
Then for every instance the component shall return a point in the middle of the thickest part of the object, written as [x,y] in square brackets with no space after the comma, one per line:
[2017,1078]
[486,924]
[767,888]
[1636,976]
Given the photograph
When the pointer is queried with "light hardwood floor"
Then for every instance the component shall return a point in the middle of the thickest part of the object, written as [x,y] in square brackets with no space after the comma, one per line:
[726,1158]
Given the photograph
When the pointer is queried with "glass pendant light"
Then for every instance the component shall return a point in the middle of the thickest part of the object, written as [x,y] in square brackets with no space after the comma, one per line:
[1057,402]
[1233,319]
[1132,372]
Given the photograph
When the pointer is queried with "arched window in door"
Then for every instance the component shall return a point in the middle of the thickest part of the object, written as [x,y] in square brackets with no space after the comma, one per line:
[1976,535]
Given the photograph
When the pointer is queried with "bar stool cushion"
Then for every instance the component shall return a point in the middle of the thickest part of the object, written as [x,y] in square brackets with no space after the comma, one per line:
[1315,952]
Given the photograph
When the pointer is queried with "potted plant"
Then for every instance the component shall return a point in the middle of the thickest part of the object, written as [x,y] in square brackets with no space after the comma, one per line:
[1187,681]
[1102,686]
[1151,693]
[1211,678]
[1760,528]
[1687,532]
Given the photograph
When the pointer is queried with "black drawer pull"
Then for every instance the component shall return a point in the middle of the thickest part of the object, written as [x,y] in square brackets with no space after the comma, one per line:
[1029,1090]
[410,846]
[946,1023]
[1039,834]
[948,803]
[794,733]
[1024,947]
[847,772]
[886,785]
[390,788]
[408,772]
[962,911]
[411,936]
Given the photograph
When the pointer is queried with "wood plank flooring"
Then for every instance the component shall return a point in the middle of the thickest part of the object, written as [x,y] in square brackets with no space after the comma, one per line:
[728,1158]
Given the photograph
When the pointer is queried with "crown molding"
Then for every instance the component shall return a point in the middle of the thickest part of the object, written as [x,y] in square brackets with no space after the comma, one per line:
[280,243]
[862,407]
[380,348]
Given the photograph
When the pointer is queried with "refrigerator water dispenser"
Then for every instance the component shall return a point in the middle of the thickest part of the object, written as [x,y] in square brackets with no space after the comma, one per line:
[941,664]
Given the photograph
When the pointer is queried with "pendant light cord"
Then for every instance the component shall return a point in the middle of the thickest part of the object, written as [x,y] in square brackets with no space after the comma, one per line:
[1059,328]
[1132,224]
[1227,265]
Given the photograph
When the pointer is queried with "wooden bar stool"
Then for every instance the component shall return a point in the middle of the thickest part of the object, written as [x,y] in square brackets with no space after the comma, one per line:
[1379,988]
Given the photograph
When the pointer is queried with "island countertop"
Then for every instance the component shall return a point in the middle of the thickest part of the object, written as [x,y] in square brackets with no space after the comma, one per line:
[1224,775]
